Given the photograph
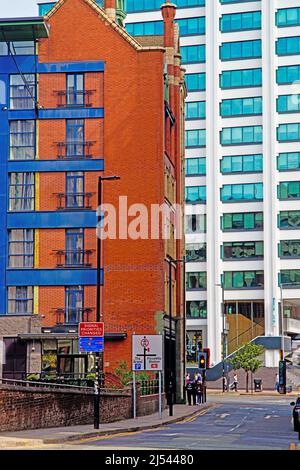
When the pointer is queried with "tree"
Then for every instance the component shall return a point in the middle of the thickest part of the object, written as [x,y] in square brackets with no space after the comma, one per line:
[126,375]
[246,358]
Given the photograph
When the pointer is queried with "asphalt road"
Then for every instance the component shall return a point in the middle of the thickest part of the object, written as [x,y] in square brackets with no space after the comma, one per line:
[235,422]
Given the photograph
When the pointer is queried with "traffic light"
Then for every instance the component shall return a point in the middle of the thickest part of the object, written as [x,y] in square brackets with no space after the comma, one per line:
[202,361]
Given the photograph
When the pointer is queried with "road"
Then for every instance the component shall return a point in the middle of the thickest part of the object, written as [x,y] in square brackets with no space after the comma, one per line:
[236,422]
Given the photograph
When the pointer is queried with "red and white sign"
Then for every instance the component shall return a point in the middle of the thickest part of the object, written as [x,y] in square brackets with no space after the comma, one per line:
[89,329]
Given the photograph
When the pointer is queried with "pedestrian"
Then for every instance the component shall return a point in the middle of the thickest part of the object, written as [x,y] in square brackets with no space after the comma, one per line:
[189,391]
[199,392]
[277,383]
[235,383]
[194,393]
[225,383]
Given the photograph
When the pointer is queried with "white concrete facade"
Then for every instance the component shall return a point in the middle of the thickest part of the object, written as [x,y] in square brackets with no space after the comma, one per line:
[271,235]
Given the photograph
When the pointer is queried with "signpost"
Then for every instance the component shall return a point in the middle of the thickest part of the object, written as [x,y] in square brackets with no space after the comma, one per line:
[147,355]
[91,337]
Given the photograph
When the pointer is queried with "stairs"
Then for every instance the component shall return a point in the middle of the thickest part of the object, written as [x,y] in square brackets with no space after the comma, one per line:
[242,330]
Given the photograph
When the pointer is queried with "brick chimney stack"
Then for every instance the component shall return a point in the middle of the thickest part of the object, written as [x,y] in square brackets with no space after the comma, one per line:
[110,9]
[168,12]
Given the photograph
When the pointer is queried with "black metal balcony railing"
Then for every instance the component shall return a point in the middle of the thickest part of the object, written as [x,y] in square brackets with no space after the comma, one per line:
[74,99]
[73,258]
[72,316]
[74,201]
[74,150]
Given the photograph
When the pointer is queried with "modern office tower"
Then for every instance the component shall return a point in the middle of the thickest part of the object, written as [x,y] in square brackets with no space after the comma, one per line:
[242,61]
[81,98]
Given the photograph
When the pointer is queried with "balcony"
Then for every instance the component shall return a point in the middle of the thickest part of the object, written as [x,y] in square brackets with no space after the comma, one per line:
[74,201]
[74,258]
[74,150]
[73,316]
[74,99]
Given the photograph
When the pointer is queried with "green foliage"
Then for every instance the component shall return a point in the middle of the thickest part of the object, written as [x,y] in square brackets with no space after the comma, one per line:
[246,358]
[126,375]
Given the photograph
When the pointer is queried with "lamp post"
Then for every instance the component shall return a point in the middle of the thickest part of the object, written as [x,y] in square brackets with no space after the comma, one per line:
[224,373]
[170,377]
[99,315]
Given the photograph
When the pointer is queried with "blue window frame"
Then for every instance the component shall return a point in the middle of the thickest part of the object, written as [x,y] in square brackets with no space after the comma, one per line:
[289,220]
[132,6]
[288,74]
[288,132]
[74,301]
[241,221]
[21,192]
[195,166]
[240,50]
[191,26]
[75,89]
[75,190]
[75,138]
[195,194]
[149,28]
[290,276]
[192,54]
[21,248]
[242,164]
[195,81]
[288,190]
[241,78]
[240,21]
[288,46]
[243,279]
[195,138]
[288,17]
[241,135]
[288,103]
[74,247]
[288,161]
[22,140]
[241,107]
[22,91]
[195,110]
[20,300]
[242,192]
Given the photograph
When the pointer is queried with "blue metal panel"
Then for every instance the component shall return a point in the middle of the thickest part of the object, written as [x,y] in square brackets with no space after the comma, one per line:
[52,277]
[68,113]
[4,143]
[82,219]
[25,62]
[21,114]
[71,67]
[27,166]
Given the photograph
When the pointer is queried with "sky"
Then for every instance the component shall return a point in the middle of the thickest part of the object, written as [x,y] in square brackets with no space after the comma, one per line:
[18,8]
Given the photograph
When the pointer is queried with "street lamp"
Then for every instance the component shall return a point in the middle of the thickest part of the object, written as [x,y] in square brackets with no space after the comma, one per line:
[223,338]
[99,315]
[171,262]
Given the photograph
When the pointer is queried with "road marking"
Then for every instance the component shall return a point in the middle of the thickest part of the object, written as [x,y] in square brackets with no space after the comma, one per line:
[193,418]
[223,415]
[271,416]
[294,446]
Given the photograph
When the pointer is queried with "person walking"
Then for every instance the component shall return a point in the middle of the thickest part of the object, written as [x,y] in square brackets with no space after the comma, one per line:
[199,392]
[194,393]
[189,391]
[235,383]
[277,383]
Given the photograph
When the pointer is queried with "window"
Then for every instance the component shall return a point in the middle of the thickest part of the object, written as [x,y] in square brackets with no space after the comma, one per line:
[147,5]
[288,103]
[20,300]
[290,276]
[289,249]
[195,252]
[288,132]
[21,192]
[289,220]
[243,279]
[242,250]
[242,164]
[21,248]
[74,247]
[241,107]
[195,138]
[194,344]
[22,91]
[73,304]
[192,54]
[75,190]
[75,138]
[195,194]
[195,81]
[288,46]
[75,89]
[196,309]
[242,221]
[242,192]
[288,161]
[22,140]
[241,135]
[191,26]
[196,280]
[195,223]
[17,48]
[149,28]
[288,74]
[241,78]
[288,17]
[240,50]
[195,110]
[289,190]
[195,166]
[240,21]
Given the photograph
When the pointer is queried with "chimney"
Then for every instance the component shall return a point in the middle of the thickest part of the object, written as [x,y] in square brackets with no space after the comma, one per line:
[110,9]
[168,12]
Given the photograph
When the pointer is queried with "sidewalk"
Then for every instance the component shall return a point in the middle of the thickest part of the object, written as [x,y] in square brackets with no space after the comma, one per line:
[264,393]
[37,437]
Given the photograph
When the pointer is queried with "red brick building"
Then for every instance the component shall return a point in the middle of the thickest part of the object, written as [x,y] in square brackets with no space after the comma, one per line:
[105,104]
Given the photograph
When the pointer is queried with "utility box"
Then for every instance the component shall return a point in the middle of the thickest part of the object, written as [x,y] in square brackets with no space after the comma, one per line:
[258,385]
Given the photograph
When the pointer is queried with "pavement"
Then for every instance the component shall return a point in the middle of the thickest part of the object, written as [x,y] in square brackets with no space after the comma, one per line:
[40,437]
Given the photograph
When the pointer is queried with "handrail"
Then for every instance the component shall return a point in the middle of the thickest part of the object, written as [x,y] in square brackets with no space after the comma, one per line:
[246,331]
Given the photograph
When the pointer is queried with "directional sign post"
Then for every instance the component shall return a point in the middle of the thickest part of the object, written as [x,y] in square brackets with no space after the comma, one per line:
[147,355]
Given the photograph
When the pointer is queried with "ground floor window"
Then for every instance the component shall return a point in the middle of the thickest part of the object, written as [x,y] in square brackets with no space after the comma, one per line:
[194,344]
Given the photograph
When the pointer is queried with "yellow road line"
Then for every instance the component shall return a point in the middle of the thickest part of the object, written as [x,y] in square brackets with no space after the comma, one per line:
[294,446]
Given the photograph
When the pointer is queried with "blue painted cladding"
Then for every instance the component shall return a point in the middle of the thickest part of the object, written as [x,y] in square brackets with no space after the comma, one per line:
[52,277]
[63,219]
[4,132]
[27,166]
[21,114]
[68,113]
[71,67]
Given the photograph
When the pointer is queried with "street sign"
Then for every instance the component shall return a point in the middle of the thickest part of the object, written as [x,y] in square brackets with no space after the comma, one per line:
[90,329]
[147,353]
[92,344]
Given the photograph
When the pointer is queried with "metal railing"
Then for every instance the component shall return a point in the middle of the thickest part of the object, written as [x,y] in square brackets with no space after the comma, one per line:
[149,387]
[72,316]
[70,150]
[74,201]
[73,258]
[48,383]
[74,99]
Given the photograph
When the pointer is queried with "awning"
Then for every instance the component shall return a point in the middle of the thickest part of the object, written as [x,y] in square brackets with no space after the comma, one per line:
[23,29]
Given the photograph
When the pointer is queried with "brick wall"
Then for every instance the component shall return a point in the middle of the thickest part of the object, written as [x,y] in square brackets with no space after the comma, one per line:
[267,374]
